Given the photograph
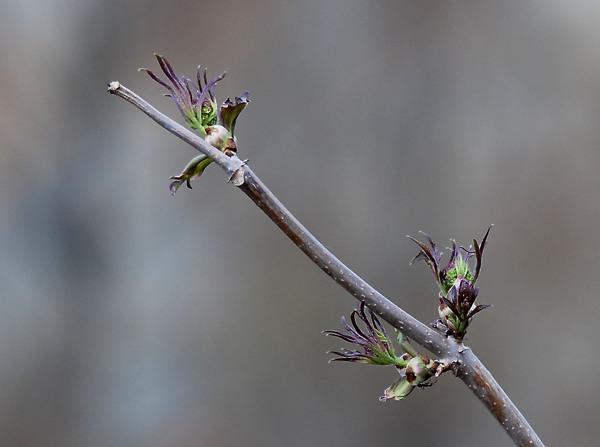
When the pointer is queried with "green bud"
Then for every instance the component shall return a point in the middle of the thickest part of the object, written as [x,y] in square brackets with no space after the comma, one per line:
[217,136]
[397,390]
[416,371]
[461,268]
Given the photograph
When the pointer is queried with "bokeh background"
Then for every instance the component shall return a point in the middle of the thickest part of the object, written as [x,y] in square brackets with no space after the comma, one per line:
[133,318]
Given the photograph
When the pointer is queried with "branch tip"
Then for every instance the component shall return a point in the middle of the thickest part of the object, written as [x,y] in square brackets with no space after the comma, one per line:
[113,86]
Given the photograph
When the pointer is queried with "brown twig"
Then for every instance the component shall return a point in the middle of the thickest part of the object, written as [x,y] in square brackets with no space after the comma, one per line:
[459,358]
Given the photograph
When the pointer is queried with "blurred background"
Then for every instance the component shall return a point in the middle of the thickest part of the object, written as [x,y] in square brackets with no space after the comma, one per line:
[134,318]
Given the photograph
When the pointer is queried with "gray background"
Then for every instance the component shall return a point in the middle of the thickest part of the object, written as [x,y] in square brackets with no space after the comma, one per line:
[133,318]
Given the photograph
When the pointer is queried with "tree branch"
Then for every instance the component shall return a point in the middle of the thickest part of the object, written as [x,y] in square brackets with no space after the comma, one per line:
[465,364]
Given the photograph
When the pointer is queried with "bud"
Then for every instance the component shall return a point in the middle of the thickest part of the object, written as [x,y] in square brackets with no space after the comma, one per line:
[217,136]
[197,104]
[456,282]
[397,390]
[377,349]
[416,371]
[416,374]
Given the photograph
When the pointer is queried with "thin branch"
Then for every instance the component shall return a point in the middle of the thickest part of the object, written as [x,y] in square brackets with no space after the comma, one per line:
[466,365]
[479,380]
